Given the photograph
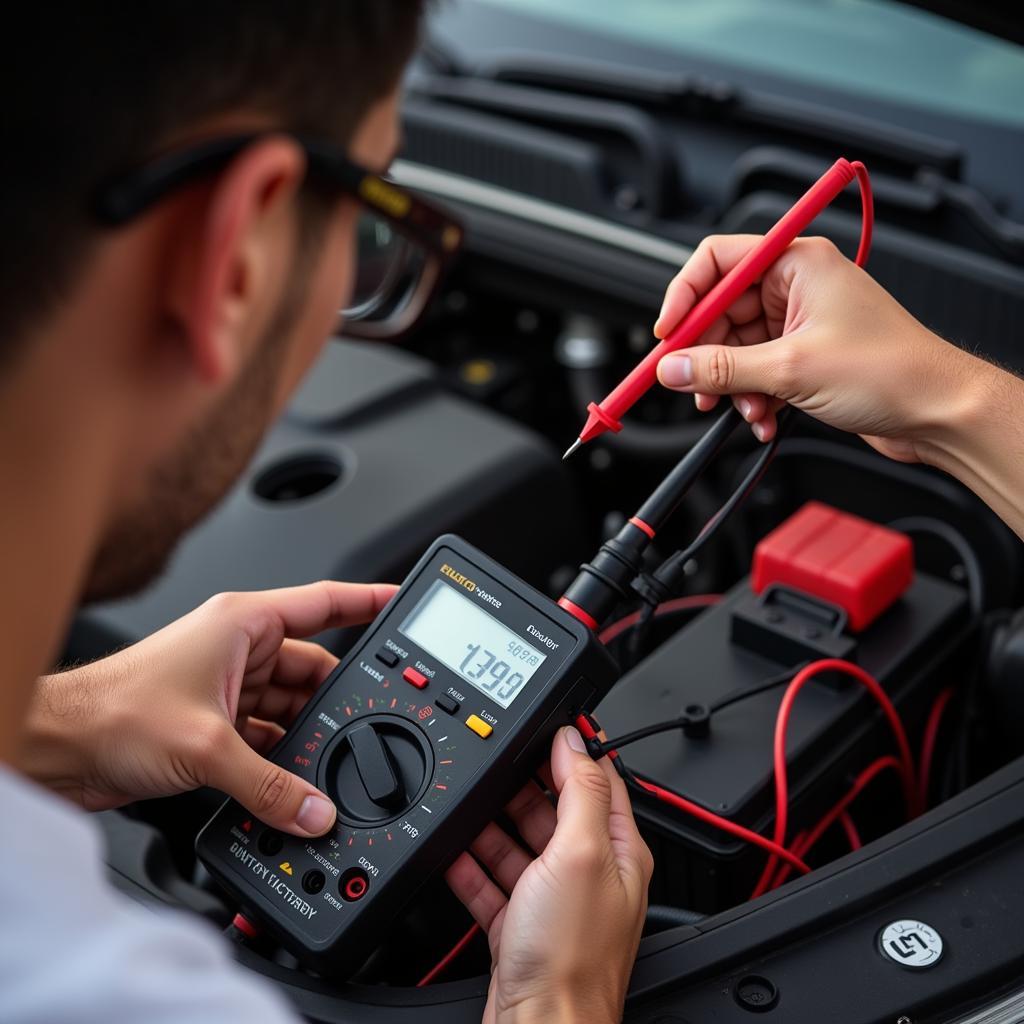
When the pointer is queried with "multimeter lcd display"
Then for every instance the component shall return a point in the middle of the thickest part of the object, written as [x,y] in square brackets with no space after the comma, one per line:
[487,654]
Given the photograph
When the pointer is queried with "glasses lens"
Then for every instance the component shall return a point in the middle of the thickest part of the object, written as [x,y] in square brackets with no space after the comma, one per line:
[382,261]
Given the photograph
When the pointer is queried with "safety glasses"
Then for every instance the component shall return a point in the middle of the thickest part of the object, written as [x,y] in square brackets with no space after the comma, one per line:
[403,242]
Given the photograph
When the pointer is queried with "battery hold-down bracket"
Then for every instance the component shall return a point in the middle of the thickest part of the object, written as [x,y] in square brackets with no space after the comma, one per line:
[791,627]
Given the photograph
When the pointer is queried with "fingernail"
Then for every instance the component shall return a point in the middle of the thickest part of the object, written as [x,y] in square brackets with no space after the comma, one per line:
[758,429]
[676,371]
[745,408]
[316,815]
[575,740]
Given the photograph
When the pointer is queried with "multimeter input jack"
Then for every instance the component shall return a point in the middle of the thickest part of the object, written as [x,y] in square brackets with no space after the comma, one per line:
[270,842]
[354,884]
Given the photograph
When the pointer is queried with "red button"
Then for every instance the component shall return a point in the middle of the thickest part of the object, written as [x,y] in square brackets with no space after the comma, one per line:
[418,679]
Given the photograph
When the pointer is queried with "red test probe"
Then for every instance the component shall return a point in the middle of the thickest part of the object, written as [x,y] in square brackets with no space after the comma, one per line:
[607,414]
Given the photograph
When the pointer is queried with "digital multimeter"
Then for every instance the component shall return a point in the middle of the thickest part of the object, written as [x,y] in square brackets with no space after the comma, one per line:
[441,711]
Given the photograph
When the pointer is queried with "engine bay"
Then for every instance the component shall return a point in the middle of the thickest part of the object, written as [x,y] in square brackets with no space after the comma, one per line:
[458,428]
[942,653]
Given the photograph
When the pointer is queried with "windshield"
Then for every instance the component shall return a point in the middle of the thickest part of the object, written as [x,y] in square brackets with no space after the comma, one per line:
[865,47]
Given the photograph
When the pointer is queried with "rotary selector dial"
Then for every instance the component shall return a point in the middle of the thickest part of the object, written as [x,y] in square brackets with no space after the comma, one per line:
[378,769]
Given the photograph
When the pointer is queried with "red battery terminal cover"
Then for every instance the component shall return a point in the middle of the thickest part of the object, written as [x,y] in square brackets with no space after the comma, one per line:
[853,563]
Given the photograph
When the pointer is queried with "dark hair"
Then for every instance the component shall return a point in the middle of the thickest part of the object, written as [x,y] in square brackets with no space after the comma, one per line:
[93,88]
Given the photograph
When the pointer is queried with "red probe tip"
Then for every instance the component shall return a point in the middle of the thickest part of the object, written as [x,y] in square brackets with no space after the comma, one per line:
[598,421]
[576,444]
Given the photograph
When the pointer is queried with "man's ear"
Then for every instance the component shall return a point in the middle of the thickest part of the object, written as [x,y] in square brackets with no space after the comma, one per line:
[238,243]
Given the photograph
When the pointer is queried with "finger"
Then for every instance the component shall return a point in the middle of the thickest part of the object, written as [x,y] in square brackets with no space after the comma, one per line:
[272,794]
[765,428]
[328,604]
[756,332]
[741,324]
[303,664]
[631,852]
[261,735]
[711,260]
[584,794]
[747,309]
[309,609]
[275,703]
[477,893]
[752,407]
[300,668]
[612,814]
[725,369]
[501,855]
[533,816]
[705,403]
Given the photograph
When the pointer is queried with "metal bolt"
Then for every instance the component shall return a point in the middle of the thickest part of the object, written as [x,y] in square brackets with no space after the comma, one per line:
[756,993]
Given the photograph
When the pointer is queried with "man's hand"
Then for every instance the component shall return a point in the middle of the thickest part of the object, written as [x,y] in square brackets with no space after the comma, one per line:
[564,920]
[820,334]
[196,704]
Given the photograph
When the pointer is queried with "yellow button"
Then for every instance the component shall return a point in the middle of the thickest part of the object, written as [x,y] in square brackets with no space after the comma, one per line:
[479,726]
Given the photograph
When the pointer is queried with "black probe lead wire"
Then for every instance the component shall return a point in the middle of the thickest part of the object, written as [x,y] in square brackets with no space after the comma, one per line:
[667,572]
[975,578]
[769,684]
[727,701]
[675,562]
[667,496]
[953,538]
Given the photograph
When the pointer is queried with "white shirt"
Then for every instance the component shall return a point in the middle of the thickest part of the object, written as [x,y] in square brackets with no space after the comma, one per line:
[73,949]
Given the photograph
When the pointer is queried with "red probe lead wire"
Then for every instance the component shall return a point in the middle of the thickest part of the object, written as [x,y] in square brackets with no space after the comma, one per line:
[666,796]
[867,213]
[607,414]
[803,844]
[850,828]
[804,676]
[931,734]
[448,957]
[677,604]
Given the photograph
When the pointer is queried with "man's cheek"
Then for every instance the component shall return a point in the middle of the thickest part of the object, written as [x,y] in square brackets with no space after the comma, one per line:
[311,335]
[326,295]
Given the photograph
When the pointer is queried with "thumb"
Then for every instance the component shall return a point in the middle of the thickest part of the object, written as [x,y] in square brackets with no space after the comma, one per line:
[724,369]
[272,793]
[584,790]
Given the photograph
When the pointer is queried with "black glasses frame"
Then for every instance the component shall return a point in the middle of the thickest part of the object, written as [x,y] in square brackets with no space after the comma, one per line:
[126,197]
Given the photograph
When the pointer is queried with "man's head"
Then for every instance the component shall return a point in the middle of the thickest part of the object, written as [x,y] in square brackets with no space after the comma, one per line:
[167,345]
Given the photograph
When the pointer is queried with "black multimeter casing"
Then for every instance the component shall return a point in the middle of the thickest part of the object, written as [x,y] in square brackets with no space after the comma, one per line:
[331,899]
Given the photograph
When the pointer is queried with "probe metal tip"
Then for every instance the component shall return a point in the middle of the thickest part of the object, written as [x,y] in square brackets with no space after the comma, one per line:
[576,444]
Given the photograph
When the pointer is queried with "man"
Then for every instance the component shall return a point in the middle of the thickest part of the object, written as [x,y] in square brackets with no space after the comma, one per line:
[182,186]
[138,367]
